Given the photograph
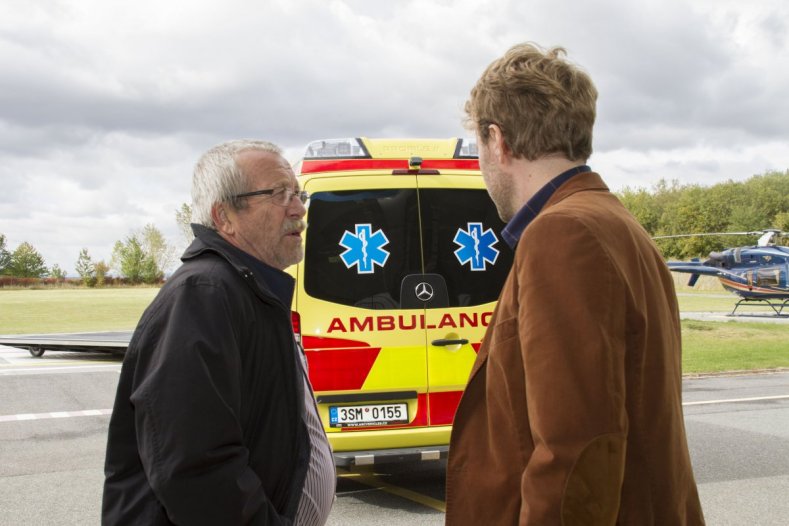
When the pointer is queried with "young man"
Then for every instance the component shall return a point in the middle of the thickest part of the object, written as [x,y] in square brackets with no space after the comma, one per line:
[572,414]
[214,420]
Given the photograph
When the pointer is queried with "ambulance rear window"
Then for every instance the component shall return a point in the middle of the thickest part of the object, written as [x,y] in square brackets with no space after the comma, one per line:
[462,242]
[360,245]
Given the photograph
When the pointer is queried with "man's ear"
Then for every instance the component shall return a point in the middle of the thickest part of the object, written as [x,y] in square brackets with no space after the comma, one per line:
[496,144]
[221,220]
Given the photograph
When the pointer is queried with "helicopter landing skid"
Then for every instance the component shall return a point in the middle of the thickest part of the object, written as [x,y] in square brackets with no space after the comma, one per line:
[777,306]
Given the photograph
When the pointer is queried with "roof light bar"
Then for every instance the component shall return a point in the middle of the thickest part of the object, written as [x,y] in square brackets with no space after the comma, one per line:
[336,149]
[466,149]
[404,156]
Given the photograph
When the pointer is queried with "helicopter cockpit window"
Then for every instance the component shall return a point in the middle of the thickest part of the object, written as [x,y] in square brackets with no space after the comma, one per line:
[774,260]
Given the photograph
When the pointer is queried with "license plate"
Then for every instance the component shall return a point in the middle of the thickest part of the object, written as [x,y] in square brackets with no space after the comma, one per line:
[368,415]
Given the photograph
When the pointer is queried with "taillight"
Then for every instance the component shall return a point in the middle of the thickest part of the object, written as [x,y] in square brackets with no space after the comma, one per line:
[295,320]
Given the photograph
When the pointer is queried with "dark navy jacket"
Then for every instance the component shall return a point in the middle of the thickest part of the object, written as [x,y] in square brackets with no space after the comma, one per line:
[207,426]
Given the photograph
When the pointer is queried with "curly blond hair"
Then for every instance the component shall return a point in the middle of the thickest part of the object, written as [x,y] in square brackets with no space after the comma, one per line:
[543,104]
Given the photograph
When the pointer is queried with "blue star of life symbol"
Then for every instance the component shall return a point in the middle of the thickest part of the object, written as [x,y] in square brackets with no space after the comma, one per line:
[364,249]
[476,246]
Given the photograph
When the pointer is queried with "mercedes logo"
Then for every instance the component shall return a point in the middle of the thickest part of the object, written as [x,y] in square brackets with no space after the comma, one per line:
[424,292]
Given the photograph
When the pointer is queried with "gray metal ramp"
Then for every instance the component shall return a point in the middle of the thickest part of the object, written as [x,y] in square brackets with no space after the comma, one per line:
[37,344]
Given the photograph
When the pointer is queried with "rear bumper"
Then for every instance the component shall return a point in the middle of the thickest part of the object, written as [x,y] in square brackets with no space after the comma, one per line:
[349,459]
[383,446]
[402,437]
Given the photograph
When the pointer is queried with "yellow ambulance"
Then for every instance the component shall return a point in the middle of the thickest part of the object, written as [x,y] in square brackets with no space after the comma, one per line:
[403,265]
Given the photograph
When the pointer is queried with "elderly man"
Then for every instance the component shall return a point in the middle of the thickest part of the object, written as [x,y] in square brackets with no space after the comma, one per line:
[572,414]
[214,420]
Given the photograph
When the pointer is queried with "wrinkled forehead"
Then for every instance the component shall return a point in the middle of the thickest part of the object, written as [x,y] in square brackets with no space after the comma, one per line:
[265,169]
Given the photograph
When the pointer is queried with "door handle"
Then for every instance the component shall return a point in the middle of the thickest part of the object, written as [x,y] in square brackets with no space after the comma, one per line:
[445,343]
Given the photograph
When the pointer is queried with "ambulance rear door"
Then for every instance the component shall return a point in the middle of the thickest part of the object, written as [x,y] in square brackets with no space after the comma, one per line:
[468,262]
[366,354]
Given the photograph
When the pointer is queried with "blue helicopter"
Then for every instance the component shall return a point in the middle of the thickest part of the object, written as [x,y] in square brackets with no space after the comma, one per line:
[758,274]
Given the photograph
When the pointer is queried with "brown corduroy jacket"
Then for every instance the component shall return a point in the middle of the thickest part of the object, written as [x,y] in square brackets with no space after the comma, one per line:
[573,414]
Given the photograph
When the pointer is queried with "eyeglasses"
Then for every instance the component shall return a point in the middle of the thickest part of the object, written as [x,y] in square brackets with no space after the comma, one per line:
[279,196]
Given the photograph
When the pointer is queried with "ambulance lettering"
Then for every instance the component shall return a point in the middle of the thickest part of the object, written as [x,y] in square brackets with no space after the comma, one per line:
[357,325]
[408,322]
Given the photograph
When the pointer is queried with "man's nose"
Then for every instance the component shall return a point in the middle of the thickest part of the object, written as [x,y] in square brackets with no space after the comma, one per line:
[296,208]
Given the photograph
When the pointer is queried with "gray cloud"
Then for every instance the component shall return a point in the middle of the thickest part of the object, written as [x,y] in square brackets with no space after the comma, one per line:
[105,106]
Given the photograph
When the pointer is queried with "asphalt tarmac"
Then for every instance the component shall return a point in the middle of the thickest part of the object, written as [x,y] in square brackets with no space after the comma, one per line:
[54,413]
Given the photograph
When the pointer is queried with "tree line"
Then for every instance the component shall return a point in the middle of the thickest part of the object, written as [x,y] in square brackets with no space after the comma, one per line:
[141,257]
[758,203]
[668,208]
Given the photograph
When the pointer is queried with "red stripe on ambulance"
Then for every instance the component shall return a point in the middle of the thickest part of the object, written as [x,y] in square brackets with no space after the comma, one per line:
[347,165]
[443,407]
[337,364]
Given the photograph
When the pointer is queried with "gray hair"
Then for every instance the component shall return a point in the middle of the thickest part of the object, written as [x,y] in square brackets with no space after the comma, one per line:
[217,178]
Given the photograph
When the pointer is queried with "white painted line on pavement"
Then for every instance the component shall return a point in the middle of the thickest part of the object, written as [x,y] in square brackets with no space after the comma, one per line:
[55,414]
[731,400]
[55,369]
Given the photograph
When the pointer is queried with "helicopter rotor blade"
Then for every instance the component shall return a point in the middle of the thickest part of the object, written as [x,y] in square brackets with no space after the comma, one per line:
[774,231]
[671,236]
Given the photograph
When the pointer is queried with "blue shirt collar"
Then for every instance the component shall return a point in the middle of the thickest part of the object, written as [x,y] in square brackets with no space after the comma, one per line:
[512,232]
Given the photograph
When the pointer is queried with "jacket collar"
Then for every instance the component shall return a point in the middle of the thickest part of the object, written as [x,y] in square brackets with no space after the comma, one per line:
[208,240]
[512,232]
[581,182]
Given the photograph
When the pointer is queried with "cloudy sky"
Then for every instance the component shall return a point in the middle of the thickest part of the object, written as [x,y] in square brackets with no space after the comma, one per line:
[105,105]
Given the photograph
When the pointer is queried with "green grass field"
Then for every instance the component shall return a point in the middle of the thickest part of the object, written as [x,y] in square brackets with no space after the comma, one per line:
[26,311]
[733,346]
[707,346]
